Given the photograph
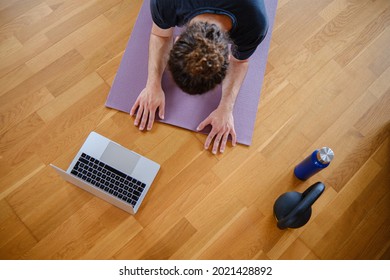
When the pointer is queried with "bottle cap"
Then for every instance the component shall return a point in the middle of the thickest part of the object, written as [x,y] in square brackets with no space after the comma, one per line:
[325,155]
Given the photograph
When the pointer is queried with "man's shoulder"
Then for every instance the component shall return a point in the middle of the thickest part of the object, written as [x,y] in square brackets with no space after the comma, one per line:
[163,12]
[253,13]
[161,4]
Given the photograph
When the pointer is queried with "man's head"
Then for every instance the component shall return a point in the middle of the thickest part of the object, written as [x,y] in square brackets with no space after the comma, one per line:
[199,58]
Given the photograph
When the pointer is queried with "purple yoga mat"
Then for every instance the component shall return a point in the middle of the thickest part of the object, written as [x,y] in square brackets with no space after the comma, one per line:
[181,109]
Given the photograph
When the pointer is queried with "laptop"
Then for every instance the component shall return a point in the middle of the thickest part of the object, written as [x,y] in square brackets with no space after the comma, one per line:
[111,172]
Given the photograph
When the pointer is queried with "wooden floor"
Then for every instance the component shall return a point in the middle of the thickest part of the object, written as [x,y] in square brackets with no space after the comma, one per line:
[327,84]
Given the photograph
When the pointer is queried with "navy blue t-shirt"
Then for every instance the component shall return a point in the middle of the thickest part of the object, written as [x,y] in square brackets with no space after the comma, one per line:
[249,19]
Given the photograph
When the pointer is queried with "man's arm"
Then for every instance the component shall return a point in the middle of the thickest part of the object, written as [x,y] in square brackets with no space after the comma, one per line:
[221,119]
[152,97]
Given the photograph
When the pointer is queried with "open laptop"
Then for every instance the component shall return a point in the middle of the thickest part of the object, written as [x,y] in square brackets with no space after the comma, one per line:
[111,172]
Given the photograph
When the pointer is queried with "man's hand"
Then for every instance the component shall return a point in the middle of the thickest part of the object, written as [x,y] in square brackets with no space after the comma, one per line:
[222,123]
[147,103]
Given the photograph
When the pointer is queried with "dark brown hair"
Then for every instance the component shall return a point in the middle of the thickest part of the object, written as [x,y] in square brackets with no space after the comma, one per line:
[199,59]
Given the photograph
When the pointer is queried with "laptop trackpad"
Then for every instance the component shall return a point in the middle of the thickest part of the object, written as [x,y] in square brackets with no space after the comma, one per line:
[120,158]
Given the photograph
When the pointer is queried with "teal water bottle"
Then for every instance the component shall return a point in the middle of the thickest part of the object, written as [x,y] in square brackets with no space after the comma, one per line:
[314,163]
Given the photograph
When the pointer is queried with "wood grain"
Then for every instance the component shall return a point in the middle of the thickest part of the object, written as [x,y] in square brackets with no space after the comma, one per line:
[326,84]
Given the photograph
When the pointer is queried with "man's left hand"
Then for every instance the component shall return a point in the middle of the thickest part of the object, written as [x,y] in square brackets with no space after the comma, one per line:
[222,123]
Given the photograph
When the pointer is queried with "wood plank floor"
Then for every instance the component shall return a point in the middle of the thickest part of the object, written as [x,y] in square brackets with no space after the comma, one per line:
[327,84]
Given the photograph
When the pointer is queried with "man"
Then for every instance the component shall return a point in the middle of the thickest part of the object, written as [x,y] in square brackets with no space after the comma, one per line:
[200,58]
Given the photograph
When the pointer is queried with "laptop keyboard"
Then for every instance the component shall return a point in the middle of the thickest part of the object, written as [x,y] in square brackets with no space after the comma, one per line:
[108,179]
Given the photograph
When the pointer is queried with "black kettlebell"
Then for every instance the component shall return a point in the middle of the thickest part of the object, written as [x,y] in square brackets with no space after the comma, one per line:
[293,209]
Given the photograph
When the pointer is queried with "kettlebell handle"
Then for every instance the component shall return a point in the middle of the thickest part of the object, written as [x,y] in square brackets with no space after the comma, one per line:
[309,196]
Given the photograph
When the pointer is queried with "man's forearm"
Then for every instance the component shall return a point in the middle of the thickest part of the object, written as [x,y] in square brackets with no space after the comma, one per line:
[232,83]
[159,48]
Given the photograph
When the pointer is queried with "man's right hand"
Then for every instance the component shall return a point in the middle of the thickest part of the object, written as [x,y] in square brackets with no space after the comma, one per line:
[146,105]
